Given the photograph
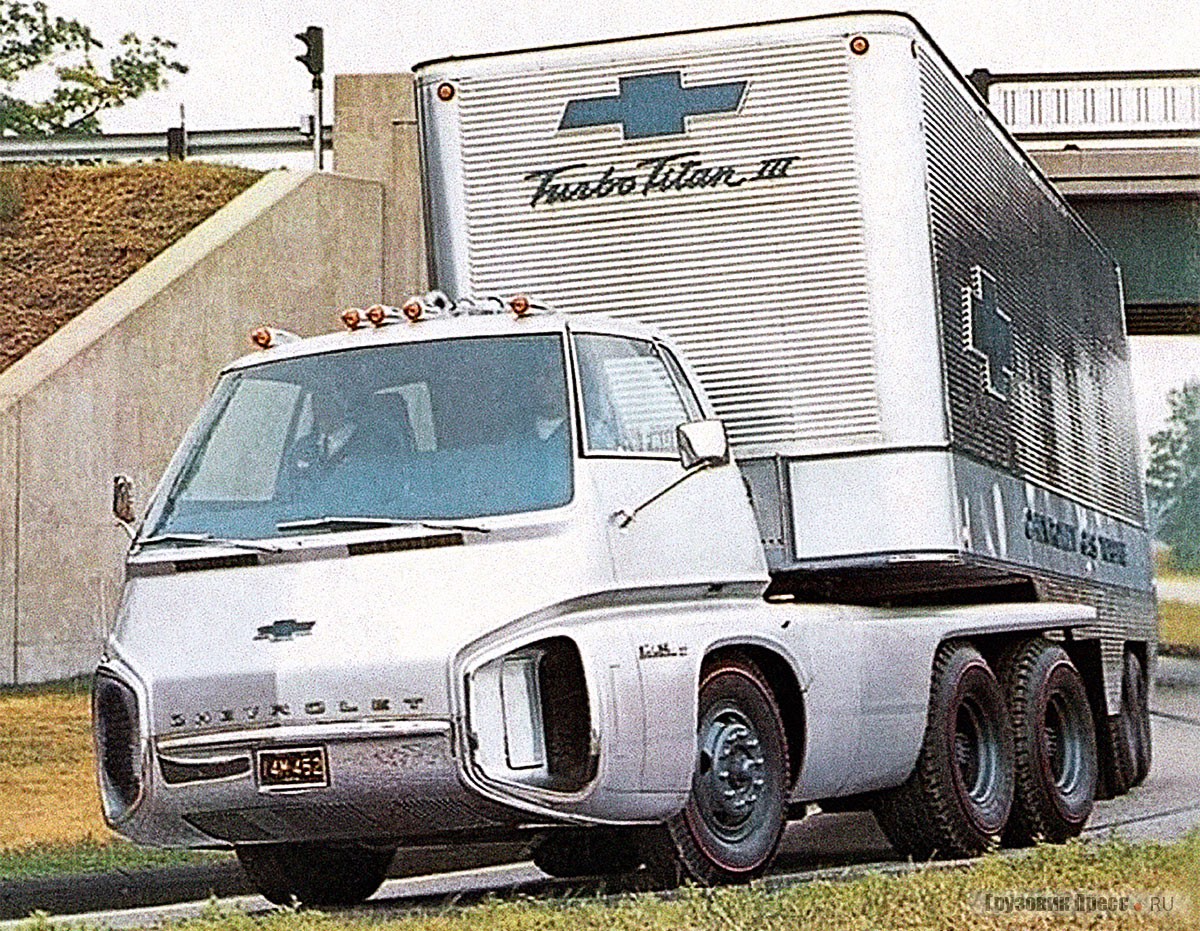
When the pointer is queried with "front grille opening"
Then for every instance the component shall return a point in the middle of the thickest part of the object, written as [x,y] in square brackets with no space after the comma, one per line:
[568,731]
[114,709]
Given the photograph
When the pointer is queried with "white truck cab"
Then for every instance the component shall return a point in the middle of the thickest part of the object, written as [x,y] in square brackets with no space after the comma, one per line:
[464,575]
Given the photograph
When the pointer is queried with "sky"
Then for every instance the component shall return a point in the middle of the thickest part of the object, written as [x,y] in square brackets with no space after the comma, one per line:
[243,73]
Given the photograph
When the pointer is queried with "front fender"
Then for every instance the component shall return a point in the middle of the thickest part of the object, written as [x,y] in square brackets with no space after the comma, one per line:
[641,654]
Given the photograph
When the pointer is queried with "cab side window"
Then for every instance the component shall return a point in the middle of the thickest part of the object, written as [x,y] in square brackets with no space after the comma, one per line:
[631,401]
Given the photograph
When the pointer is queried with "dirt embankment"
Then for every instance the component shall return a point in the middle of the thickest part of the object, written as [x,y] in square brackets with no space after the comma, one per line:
[70,235]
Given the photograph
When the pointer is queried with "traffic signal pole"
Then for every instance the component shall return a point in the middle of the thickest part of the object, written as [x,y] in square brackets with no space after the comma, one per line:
[318,125]
[314,60]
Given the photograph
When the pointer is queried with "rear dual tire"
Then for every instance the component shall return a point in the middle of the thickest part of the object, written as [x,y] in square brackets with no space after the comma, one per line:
[1007,759]
[957,801]
[1055,744]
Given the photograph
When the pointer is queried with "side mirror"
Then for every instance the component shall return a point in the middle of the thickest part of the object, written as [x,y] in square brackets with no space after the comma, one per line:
[122,499]
[702,443]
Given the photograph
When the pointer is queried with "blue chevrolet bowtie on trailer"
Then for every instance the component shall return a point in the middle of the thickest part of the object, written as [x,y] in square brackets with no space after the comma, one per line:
[482,569]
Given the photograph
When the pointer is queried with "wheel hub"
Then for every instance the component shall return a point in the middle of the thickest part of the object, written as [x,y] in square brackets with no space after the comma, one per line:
[731,783]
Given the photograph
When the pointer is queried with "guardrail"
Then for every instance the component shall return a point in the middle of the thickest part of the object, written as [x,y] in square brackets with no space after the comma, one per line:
[176,142]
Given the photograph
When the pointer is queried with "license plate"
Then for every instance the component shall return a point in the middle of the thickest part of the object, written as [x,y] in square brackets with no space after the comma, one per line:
[303,768]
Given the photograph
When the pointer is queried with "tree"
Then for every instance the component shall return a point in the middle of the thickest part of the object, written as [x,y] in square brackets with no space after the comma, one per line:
[1173,478]
[31,40]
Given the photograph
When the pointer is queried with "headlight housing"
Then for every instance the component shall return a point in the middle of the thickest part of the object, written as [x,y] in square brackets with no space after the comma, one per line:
[117,728]
[530,717]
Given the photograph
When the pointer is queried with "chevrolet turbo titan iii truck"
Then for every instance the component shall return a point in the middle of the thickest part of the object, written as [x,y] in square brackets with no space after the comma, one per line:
[814,481]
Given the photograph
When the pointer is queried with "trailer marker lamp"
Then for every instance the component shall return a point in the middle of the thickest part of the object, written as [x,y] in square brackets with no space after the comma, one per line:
[859,45]
[519,305]
[445,92]
[413,310]
[352,318]
[381,315]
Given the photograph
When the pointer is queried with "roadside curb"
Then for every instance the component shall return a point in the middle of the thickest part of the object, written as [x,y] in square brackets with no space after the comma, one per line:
[90,892]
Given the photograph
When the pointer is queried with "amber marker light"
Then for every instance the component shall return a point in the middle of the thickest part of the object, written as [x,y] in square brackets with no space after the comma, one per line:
[859,45]
[445,91]
[261,337]
[413,310]
[519,305]
[352,318]
[376,314]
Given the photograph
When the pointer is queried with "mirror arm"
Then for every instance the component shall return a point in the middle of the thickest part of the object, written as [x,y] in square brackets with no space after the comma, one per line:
[624,518]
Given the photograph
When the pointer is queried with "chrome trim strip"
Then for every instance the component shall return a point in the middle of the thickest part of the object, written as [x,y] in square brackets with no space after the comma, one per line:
[352,730]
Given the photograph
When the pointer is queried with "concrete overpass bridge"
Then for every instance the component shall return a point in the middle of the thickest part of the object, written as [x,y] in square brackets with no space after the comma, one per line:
[1124,147]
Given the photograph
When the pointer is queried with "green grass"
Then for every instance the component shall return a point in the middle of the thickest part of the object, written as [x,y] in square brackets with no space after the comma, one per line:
[50,821]
[928,899]
[1179,623]
[36,861]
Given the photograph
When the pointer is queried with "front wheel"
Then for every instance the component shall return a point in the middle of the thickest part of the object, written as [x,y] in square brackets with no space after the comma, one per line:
[957,800]
[735,816]
[315,874]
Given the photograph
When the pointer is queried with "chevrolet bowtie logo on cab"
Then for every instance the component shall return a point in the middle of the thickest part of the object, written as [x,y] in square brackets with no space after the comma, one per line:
[649,105]
[285,629]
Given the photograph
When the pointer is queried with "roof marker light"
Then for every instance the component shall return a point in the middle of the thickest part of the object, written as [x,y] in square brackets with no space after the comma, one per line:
[382,315]
[352,318]
[413,309]
[265,337]
[859,45]
[519,305]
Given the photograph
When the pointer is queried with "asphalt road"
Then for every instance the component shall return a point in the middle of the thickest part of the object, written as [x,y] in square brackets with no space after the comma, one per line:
[1166,806]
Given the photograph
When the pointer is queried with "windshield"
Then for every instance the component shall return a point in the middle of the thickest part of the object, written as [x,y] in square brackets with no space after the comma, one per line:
[437,431]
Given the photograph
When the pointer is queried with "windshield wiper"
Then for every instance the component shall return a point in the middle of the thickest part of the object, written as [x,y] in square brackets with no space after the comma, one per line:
[206,539]
[367,523]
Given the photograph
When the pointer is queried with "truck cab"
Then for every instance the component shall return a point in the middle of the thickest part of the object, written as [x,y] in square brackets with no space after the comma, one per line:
[480,571]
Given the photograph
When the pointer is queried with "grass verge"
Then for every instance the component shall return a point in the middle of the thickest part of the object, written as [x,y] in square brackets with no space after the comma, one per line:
[1179,623]
[40,861]
[50,820]
[1100,883]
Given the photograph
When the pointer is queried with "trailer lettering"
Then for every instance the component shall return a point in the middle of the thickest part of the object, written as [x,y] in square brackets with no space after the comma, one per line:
[678,171]
[772,168]
[1041,528]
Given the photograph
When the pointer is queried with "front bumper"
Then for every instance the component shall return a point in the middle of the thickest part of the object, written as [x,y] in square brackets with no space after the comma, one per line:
[388,781]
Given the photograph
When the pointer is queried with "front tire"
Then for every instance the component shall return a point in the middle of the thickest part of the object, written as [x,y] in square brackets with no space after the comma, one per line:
[957,801]
[315,874]
[1055,740]
[734,819]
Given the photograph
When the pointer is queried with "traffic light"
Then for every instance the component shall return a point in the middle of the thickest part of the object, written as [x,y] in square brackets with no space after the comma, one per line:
[314,50]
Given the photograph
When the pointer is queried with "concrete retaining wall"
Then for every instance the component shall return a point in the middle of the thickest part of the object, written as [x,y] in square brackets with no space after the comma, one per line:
[113,391]
[375,136]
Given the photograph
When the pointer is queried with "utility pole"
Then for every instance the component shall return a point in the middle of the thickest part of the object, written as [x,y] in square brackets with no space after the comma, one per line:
[314,60]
